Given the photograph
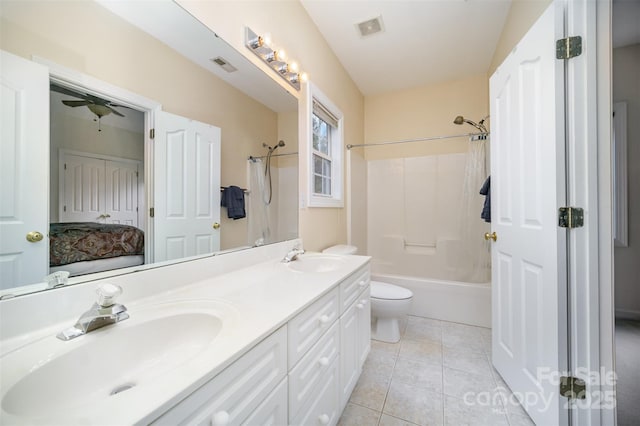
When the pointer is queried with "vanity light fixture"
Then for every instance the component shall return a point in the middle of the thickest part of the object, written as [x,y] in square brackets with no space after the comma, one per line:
[276,58]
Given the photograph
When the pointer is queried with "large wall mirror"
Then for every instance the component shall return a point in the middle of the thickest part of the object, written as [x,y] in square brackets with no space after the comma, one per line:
[105,175]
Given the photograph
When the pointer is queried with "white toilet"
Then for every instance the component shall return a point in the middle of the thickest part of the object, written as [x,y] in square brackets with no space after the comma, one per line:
[389,303]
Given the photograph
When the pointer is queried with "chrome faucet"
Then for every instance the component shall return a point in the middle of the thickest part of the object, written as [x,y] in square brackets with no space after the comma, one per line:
[293,254]
[103,312]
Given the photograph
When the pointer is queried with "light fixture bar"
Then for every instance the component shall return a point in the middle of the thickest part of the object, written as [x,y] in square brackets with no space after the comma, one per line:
[275,59]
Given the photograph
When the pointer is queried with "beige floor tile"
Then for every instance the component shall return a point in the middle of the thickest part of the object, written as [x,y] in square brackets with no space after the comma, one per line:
[429,322]
[370,391]
[386,420]
[459,383]
[457,412]
[416,373]
[357,415]
[466,360]
[384,347]
[380,363]
[421,350]
[414,404]
[418,331]
[520,420]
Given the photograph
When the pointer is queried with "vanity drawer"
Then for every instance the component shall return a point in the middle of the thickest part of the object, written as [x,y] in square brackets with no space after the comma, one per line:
[273,410]
[307,327]
[324,406]
[238,390]
[351,287]
[312,369]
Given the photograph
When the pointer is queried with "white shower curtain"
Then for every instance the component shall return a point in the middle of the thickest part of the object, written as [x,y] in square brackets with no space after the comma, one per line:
[476,249]
[258,215]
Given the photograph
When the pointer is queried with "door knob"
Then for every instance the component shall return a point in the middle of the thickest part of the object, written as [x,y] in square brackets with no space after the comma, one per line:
[490,236]
[216,225]
[34,236]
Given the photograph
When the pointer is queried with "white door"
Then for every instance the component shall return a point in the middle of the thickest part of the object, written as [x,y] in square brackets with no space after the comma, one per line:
[121,196]
[24,170]
[83,189]
[529,284]
[186,187]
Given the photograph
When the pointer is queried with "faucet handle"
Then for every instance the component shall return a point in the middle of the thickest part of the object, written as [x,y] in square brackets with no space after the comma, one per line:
[107,294]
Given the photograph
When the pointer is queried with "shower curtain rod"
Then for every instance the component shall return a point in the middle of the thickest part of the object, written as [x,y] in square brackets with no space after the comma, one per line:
[433,138]
[251,157]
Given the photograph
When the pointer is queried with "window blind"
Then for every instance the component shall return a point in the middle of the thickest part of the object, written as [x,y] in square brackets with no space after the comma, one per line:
[324,114]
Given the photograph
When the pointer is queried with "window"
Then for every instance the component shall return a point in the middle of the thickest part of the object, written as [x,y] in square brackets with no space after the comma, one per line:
[326,153]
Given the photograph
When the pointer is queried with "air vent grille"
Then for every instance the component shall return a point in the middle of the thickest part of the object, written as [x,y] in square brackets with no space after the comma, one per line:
[224,64]
[372,26]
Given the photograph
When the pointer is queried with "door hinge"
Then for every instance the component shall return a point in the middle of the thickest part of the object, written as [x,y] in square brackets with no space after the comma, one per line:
[570,217]
[570,47]
[573,387]
[152,133]
[152,212]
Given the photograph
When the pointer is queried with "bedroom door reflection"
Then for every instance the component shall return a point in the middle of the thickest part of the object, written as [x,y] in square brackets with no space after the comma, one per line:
[97,190]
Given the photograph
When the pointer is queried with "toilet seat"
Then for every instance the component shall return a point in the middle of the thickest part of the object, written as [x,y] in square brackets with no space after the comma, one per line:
[386,291]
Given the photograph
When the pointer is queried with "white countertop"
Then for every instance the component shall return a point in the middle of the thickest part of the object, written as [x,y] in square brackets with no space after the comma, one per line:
[262,297]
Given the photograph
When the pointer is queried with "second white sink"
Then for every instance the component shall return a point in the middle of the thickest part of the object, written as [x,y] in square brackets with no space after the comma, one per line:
[316,263]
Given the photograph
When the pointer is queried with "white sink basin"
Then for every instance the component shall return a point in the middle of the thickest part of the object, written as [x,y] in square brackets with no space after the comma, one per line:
[51,376]
[317,263]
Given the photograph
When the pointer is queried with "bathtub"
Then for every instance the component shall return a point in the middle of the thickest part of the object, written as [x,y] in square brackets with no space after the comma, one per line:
[467,303]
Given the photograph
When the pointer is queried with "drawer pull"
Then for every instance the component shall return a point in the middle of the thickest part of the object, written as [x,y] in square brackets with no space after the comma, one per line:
[360,306]
[221,418]
[324,319]
[324,361]
[363,301]
[362,283]
[324,419]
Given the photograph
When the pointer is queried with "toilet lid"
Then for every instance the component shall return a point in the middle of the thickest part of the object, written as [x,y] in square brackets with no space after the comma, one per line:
[341,249]
[389,291]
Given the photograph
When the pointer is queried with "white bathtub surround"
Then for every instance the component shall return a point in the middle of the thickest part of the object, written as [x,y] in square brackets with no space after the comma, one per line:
[466,303]
[258,300]
[415,217]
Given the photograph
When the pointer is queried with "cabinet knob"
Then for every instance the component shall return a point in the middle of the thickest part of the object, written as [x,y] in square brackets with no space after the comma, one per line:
[221,418]
[324,361]
[324,419]
[324,319]
[360,306]
[362,283]
[363,301]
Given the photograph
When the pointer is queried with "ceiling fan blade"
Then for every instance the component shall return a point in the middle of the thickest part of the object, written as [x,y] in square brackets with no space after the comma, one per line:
[118,106]
[65,91]
[115,112]
[76,103]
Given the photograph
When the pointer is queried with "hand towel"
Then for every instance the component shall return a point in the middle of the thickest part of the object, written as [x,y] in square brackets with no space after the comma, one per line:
[233,199]
[486,191]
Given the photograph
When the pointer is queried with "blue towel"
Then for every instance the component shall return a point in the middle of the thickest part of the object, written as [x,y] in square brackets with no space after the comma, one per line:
[486,191]
[233,199]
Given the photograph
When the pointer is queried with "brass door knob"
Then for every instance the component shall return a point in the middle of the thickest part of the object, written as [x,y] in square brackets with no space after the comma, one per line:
[216,225]
[34,236]
[490,236]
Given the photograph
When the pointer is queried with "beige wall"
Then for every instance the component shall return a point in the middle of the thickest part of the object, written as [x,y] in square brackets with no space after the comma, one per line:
[522,15]
[87,38]
[291,27]
[424,112]
[626,87]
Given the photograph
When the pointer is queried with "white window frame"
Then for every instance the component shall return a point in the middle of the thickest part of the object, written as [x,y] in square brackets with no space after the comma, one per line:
[336,199]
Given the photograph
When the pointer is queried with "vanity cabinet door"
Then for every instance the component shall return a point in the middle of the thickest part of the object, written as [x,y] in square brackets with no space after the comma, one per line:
[363,308]
[351,287]
[309,325]
[231,396]
[306,377]
[349,353]
[324,407]
[273,411]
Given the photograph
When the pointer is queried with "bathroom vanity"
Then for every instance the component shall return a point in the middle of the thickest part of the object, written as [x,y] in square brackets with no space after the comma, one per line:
[222,343]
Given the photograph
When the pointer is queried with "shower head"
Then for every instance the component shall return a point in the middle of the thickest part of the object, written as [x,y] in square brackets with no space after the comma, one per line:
[480,126]
[281,143]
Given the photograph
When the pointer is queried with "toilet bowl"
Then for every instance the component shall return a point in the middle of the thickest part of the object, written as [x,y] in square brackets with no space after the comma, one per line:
[389,303]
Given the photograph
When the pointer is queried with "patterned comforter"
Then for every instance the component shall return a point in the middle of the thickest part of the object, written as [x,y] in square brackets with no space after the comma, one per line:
[80,241]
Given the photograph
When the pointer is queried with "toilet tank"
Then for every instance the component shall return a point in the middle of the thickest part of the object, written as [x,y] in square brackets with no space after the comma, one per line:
[341,249]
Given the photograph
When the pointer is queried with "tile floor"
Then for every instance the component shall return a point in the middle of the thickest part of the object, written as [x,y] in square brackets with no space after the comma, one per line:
[438,374]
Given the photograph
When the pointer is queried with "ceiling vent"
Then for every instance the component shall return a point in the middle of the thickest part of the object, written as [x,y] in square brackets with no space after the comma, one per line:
[372,26]
[224,64]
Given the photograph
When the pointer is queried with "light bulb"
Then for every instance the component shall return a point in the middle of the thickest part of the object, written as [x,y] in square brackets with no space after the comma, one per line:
[266,40]
[281,55]
[293,67]
[304,76]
